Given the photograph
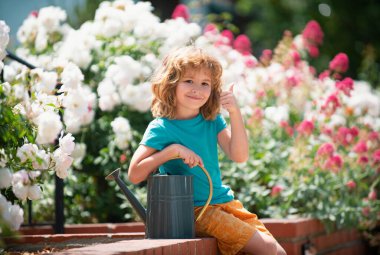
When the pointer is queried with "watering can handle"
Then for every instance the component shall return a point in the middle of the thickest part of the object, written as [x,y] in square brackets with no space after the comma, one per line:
[210,192]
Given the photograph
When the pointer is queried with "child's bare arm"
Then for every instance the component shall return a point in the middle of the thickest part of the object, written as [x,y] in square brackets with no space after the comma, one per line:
[234,142]
[146,160]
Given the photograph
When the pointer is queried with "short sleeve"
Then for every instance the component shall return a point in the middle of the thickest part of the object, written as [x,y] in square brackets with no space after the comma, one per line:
[155,136]
[220,123]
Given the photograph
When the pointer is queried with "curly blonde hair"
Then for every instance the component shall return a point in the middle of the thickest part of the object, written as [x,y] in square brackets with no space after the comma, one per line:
[166,78]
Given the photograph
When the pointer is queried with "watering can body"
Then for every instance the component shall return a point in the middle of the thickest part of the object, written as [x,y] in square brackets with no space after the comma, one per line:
[170,207]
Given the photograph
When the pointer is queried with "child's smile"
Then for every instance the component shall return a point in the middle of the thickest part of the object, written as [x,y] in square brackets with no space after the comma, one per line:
[192,92]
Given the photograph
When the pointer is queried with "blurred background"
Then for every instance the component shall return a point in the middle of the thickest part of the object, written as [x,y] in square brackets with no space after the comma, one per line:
[350,28]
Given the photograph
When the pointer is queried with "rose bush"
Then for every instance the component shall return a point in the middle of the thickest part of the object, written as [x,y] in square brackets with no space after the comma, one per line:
[33,139]
[315,142]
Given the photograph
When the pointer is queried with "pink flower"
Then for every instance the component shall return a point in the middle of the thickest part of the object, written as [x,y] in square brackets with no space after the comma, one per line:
[243,44]
[346,86]
[360,147]
[339,63]
[34,14]
[292,81]
[305,128]
[211,28]
[372,195]
[351,184]
[326,150]
[354,131]
[345,136]
[376,156]
[331,104]
[276,189]
[312,70]
[181,11]
[260,94]
[334,163]
[326,130]
[313,51]
[123,158]
[266,56]
[313,33]
[295,56]
[373,136]
[366,211]
[324,75]
[363,160]
[228,35]
[250,61]
[257,115]
[288,129]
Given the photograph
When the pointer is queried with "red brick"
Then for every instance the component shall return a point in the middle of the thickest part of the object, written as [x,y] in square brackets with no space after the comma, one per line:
[167,250]
[192,248]
[292,248]
[209,245]
[293,228]
[37,230]
[129,227]
[158,251]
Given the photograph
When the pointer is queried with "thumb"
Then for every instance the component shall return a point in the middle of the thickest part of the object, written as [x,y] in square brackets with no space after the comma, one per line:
[231,89]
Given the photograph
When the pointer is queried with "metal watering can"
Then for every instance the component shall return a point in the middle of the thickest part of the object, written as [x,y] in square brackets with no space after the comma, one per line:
[170,206]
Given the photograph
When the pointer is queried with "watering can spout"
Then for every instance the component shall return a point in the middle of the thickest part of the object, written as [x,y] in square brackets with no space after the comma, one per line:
[141,211]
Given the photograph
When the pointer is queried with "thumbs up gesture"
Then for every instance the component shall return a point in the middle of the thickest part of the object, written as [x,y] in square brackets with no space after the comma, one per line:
[228,101]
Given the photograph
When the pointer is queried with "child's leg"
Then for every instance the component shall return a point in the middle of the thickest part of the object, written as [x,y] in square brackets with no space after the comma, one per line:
[236,229]
[261,243]
[230,232]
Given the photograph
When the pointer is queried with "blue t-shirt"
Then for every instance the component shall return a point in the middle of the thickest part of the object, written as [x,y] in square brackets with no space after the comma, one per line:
[200,136]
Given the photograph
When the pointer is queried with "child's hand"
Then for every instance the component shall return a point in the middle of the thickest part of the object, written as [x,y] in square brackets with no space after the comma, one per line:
[228,101]
[188,156]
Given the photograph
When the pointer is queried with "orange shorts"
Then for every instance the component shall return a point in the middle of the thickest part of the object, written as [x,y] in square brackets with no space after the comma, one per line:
[230,223]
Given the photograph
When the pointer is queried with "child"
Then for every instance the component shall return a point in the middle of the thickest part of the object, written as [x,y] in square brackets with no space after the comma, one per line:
[186,103]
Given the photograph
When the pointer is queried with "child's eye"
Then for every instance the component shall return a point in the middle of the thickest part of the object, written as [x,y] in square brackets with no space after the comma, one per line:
[189,81]
[205,84]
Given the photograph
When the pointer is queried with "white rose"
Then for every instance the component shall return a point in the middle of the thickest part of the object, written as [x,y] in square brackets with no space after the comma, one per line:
[5,178]
[20,191]
[17,216]
[27,151]
[49,17]
[4,36]
[79,151]
[49,126]
[5,206]
[71,77]
[41,41]
[277,114]
[108,102]
[67,144]
[122,140]
[75,101]
[72,122]
[120,125]
[41,160]
[62,163]
[34,192]
[48,82]
[20,177]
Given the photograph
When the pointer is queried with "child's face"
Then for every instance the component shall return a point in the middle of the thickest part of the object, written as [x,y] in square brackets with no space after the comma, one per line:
[193,91]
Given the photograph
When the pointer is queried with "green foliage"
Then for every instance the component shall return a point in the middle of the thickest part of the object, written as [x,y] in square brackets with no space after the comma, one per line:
[15,129]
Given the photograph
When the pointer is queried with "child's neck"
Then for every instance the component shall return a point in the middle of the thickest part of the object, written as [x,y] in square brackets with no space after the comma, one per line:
[185,115]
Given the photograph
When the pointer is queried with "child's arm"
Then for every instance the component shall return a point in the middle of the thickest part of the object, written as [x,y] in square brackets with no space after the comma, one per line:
[146,160]
[234,142]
